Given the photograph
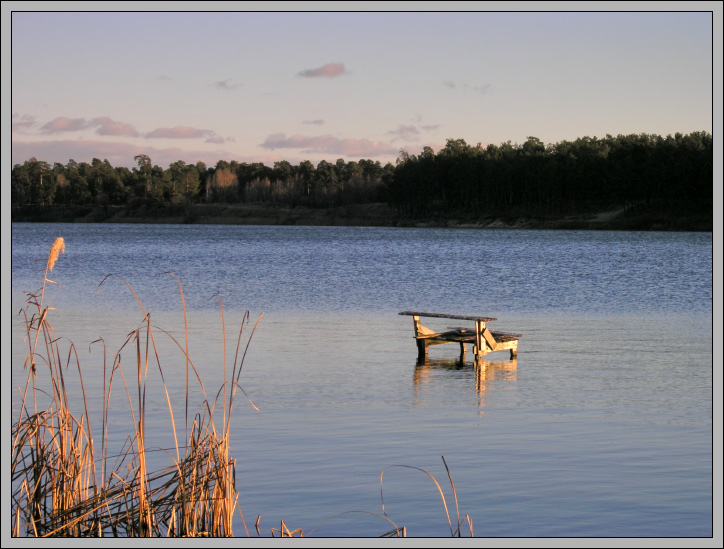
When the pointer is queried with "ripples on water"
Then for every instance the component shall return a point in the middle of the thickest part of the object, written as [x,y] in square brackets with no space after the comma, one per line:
[332,269]
[601,427]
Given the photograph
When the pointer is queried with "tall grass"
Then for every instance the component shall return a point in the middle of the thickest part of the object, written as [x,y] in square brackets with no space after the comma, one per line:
[62,485]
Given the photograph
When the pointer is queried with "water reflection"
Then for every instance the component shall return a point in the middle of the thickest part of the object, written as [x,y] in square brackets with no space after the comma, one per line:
[479,374]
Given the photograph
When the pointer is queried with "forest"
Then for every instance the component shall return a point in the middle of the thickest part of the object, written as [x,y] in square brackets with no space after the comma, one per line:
[672,174]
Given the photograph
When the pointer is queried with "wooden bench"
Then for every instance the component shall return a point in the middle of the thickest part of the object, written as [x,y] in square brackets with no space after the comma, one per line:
[483,339]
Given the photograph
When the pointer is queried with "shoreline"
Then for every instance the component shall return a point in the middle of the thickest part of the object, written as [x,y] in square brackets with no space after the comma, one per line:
[360,215]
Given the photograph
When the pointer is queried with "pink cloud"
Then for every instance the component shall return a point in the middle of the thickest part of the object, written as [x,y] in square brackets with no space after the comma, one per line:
[330,70]
[179,132]
[65,124]
[106,126]
[328,144]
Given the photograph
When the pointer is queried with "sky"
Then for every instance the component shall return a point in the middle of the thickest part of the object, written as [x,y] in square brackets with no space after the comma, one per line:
[267,86]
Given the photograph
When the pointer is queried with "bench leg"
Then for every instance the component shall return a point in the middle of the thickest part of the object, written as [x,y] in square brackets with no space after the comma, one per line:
[479,353]
[514,352]
[421,350]
[477,358]
[462,352]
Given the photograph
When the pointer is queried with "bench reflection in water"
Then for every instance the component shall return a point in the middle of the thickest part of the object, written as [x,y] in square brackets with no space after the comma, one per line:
[477,375]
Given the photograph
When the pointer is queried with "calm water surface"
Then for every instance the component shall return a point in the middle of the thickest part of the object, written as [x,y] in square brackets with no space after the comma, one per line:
[601,427]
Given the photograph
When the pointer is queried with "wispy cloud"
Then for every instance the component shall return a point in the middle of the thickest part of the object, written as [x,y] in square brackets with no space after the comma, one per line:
[225,85]
[478,89]
[179,132]
[330,70]
[23,122]
[408,131]
[405,132]
[317,122]
[328,144]
[481,89]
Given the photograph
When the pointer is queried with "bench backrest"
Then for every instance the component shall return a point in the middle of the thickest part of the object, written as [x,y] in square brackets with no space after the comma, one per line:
[456,317]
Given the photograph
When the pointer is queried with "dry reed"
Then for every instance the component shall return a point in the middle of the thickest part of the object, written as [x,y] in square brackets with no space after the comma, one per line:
[61,484]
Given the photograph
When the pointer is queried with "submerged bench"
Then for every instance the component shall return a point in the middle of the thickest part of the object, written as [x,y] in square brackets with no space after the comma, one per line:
[483,339]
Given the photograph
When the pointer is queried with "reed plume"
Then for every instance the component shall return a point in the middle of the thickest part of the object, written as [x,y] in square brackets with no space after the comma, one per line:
[58,248]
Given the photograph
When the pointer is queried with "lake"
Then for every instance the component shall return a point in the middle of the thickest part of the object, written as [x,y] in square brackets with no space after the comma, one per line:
[601,427]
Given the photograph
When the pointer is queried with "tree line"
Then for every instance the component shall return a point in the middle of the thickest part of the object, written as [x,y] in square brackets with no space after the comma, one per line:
[552,180]
[36,182]
[517,179]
